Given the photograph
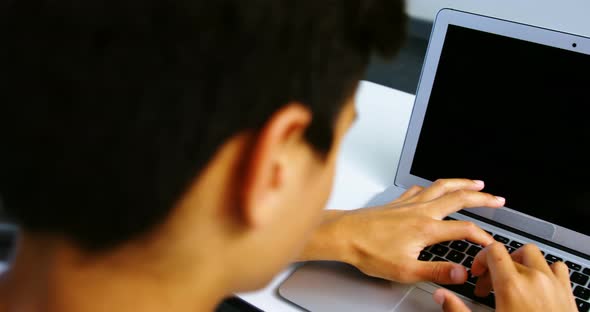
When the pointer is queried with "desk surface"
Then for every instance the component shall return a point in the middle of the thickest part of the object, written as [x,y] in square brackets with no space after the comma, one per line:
[366,166]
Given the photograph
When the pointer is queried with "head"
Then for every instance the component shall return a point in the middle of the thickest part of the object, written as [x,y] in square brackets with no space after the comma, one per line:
[205,129]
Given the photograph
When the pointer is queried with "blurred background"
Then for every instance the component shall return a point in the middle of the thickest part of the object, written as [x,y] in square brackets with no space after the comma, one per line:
[403,72]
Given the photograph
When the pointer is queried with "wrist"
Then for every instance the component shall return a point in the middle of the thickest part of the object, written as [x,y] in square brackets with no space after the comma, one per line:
[329,242]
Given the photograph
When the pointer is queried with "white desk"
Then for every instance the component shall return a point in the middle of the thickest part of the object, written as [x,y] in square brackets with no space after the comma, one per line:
[366,166]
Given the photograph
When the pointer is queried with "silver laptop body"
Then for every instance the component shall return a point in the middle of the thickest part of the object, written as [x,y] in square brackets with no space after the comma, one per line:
[499,101]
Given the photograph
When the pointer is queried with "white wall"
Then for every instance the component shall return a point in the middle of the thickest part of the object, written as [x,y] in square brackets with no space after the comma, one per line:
[571,16]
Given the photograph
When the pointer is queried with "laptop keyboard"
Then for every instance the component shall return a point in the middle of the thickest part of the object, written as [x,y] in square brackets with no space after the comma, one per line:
[463,252]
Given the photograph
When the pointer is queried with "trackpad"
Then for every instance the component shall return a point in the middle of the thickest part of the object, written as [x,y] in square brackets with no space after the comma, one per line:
[418,300]
[330,286]
[421,300]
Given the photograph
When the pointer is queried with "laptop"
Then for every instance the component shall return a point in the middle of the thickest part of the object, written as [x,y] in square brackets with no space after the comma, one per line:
[499,101]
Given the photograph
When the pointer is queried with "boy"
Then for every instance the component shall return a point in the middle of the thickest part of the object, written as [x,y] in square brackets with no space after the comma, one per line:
[160,155]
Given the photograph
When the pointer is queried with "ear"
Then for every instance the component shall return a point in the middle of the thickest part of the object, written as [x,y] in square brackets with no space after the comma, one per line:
[263,189]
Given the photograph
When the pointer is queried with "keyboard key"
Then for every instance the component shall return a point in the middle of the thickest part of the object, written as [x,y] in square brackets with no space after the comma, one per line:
[501,239]
[439,250]
[455,256]
[459,245]
[447,243]
[573,266]
[553,258]
[468,262]
[473,250]
[579,278]
[516,244]
[583,306]
[425,256]
[467,290]
[582,293]
[586,271]
[439,259]
[510,249]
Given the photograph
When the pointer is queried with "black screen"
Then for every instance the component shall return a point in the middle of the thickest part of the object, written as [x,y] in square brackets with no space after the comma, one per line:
[514,114]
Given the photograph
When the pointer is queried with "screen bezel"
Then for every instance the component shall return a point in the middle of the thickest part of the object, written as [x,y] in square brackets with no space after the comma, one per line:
[523,222]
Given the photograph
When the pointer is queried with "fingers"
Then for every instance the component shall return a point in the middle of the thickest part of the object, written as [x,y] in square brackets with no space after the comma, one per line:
[440,272]
[458,230]
[495,266]
[562,273]
[411,192]
[449,301]
[443,186]
[457,200]
[483,287]
[496,259]
[530,256]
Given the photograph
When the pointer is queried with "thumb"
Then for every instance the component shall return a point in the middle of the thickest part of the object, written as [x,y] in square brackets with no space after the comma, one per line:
[449,301]
[441,272]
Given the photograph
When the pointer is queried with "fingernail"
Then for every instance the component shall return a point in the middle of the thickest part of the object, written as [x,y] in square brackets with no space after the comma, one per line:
[439,297]
[501,199]
[479,182]
[457,274]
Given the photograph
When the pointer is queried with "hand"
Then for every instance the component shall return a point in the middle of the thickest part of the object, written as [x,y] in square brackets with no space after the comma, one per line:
[385,241]
[522,281]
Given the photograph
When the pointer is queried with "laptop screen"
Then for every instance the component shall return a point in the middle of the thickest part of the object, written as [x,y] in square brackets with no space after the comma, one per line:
[515,114]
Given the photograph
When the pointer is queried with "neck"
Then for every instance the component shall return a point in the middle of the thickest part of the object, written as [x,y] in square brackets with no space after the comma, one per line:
[49,275]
